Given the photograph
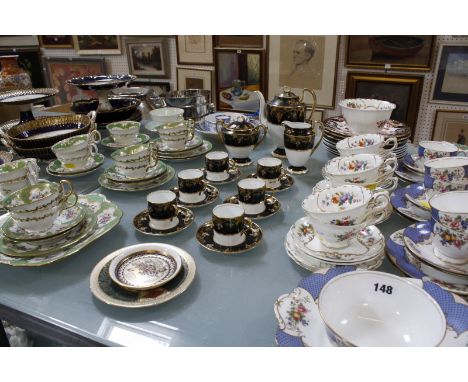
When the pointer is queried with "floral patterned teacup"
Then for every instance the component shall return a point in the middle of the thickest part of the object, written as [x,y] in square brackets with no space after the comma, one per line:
[446,174]
[437,149]
[74,152]
[366,144]
[451,243]
[346,205]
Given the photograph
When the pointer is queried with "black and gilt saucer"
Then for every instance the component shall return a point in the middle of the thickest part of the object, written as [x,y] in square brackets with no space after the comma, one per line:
[205,238]
[233,172]
[211,192]
[286,182]
[271,203]
[141,222]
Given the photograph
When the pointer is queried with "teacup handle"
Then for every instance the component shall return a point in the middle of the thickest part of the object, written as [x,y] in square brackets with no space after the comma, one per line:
[389,184]
[462,152]
[269,198]
[94,137]
[232,199]
[249,227]
[32,170]
[392,162]
[191,127]
[93,149]
[232,165]
[265,132]
[373,217]
[67,194]
[377,204]
[154,157]
[391,140]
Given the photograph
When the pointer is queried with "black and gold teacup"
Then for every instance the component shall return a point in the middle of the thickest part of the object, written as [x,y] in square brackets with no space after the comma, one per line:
[251,195]
[217,164]
[230,224]
[191,186]
[162,209]
[271,171]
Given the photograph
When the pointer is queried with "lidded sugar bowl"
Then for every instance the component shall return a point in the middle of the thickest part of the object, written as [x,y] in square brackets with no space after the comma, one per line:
[241,137]
[285,106]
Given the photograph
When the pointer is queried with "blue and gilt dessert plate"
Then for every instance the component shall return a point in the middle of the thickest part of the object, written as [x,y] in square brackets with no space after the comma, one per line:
[414,163]
[403,206]
[299,322]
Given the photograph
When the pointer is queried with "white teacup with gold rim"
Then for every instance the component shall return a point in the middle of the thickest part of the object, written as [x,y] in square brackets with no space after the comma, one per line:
[74,152]
[35,207]
[366,144]
[18,174]
[134,161]
[124,132]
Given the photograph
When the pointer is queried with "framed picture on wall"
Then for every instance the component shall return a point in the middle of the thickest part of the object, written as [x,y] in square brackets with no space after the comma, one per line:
[60,69]
[304,62]
[450,83]
[451,126]
[404,91]
[188,78]
[148,57]
[239,72]
[97,45]
[30,59]
[56,41]
[158,88]
[194,50]
[390,52]
[239,41]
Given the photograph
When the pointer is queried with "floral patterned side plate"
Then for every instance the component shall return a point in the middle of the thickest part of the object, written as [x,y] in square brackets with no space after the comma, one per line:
[299,322]
[272,207]
[105,290]
[413,267]
[65,221]
[108,215]
[418,240]
[142,220]
[404,207]
[408,175]
[111,144]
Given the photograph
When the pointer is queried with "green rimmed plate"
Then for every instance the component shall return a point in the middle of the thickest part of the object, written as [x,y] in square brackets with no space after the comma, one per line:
[56,168]
[107,214]
[65,221]
[111,144]
[113,174]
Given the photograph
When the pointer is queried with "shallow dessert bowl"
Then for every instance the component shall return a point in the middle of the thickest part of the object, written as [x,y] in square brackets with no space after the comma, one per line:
[367,308]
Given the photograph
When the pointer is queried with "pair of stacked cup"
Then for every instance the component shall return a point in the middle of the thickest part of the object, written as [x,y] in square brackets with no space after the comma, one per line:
[135,161]
[74,152]
[18,174]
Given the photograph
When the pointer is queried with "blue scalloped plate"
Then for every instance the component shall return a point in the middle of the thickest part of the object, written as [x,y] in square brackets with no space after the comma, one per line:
[407,209]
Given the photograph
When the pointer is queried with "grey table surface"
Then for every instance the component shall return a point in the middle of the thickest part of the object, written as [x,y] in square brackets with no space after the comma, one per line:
[230,302]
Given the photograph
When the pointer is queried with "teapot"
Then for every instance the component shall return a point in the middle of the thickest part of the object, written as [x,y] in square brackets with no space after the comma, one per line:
[240,138]
[285,106]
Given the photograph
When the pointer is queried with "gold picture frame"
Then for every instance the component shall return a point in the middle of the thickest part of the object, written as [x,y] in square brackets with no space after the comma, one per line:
[451,126]
[194,50]
[97,45]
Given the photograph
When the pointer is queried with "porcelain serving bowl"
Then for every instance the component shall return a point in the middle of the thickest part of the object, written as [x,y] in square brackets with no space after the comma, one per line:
[166,115]
[437,149]
[446,174]
[359,169]
[366,144]
[368,308]
[364,115]
[74,152]
[124,132]
[345,205]
[18,174]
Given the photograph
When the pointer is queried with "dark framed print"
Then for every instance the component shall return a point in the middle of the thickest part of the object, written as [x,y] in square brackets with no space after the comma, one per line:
[97,44]
[304,62]
[402,90]
[451,126]
[390,52]
[61,69]
[30,59]
[158,88]
[194,50]
[240,41]
[148,57]
[239,72]
[56,41]
[450,83]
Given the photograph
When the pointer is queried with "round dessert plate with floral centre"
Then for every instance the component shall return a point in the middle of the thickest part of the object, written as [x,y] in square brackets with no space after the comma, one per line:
[368,244]
[418,239]
[141,222]
[286,182]
[411,266]
[144,266]
[105,290]
[66,220]
[272,206]
[113,173]
[190,145]
[211,193]
[405,208]
[56,167]
[205,238]
[111,144]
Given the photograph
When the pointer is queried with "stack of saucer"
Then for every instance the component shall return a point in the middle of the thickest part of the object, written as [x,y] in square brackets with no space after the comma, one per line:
[336,129]
[142,275]
[436,248]
[45,225]
[193,148]
[137,168]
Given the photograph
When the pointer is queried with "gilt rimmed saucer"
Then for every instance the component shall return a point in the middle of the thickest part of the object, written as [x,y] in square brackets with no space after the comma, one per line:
[190,154]
[193,144]
[233,174]
[252,240]
[56,167]
[286,182]
[419,195]
[144,269]
[410,265]
[111,144]
[272,206]
[141,222]
[408,175]
[418,239]
[137,186]
[65,221]
[414,163]
[106,291]
[300,323]
[210,191]
[112,173]
[407,209]
[368,244]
